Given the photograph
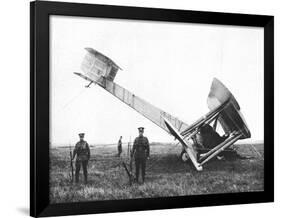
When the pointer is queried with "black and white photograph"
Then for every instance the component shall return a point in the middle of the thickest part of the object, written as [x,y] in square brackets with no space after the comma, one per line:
[140,108]
[148,109]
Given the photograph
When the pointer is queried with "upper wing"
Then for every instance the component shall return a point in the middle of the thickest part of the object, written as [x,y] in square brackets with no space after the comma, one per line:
[231,118]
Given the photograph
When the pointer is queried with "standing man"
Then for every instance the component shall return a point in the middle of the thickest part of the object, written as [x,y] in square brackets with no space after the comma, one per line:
[140,152]
[82,151]
[119,147]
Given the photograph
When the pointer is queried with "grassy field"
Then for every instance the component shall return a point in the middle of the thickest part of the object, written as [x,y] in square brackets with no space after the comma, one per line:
[167,175]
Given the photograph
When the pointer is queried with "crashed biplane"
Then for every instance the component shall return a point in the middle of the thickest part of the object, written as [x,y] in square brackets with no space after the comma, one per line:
[200,141]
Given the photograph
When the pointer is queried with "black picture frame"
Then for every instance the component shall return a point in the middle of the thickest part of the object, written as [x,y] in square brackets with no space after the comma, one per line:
[39,106]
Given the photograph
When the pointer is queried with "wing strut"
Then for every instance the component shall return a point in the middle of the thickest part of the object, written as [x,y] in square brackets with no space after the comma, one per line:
[189,149]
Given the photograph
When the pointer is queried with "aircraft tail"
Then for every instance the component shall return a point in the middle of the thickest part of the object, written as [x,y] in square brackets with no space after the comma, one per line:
[97,66]
[100,69]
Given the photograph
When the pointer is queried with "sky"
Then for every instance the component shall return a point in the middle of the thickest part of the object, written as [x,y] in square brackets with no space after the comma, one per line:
[171,65]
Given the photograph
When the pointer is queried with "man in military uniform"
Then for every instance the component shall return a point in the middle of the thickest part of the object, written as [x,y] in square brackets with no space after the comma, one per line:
[140,152]
[119,147]
[82,151]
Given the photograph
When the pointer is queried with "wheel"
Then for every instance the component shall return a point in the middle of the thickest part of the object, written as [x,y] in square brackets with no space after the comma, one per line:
[184,156]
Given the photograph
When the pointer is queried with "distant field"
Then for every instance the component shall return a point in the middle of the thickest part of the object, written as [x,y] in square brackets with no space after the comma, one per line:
[167,175]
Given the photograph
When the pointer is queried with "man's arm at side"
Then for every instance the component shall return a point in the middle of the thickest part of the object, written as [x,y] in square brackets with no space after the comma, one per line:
[88,150]
[134,148]
[74,152]
[148,148]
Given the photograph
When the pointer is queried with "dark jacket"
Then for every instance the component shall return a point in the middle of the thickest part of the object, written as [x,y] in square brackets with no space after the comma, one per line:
[82,151]
[141,147]
[119,145]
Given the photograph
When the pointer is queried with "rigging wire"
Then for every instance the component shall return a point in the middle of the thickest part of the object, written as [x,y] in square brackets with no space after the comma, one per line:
[74,98]
[256,151]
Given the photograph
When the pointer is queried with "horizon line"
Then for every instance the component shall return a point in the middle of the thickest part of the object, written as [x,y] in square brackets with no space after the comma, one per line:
[257,141]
